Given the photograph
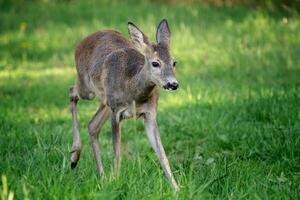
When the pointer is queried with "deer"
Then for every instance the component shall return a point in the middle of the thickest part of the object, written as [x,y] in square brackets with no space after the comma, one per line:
[127,76]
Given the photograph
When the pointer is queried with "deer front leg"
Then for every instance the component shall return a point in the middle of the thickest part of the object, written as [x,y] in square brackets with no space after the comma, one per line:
[94,127]
[116,136]
[154,138]
[76,146]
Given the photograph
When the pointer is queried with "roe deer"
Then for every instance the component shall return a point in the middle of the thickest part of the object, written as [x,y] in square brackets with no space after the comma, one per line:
[126,75]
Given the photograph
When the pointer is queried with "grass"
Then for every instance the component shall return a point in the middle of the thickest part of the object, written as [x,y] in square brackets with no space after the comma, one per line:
[232,131]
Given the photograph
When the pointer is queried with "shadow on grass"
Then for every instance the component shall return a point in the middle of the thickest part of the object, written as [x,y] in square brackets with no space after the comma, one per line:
[78,12]
[22,49]
[56,17]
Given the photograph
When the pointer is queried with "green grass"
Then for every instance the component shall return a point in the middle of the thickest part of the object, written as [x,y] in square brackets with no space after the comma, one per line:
[232,131]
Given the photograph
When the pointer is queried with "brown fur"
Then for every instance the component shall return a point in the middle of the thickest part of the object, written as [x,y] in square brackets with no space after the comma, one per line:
[121,73]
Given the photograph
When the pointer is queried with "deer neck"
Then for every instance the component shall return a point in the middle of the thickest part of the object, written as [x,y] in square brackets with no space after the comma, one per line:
[144,86]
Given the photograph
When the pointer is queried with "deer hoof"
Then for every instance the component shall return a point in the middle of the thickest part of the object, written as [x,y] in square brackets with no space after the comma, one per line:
[73,165]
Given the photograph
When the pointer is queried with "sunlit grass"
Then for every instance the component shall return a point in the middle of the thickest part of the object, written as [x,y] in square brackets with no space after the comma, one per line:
[231,131]
[38,73]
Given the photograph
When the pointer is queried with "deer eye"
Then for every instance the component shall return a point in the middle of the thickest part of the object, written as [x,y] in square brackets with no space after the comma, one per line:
[174,64]
[155,64]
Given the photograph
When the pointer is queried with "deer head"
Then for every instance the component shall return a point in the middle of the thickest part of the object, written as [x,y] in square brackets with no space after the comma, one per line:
[158,61]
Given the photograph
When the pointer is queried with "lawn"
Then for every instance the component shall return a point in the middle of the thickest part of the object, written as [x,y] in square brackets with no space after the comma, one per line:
[232,131]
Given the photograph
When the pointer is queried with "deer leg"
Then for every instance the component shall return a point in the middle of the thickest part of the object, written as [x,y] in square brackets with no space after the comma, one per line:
[116,136]
[76,147]
[154,138]
[94,127]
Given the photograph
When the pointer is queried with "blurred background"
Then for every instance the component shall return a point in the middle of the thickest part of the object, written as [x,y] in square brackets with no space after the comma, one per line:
[253,3]
[232,131]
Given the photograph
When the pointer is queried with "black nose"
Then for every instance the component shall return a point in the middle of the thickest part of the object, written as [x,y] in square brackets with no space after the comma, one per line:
[172,86]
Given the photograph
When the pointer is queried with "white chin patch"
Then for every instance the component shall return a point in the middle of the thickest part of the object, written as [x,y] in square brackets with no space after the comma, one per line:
[168,89]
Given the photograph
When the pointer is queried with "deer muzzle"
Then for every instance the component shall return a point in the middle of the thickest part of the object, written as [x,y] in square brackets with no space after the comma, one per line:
[171,86]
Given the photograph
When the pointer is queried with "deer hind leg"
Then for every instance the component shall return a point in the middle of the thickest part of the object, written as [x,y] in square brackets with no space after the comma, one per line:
[94,127]
[76,147]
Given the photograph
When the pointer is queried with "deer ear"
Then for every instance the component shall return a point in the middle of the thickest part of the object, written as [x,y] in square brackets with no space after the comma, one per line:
[163,32]
[138,38]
